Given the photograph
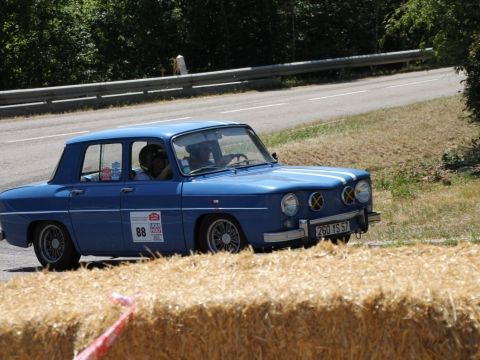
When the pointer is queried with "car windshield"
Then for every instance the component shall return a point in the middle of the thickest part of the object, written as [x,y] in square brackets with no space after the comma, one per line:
[219,149]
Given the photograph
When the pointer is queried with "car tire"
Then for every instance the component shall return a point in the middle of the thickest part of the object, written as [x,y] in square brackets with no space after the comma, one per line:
[340,239]
[221,233]
[54,247]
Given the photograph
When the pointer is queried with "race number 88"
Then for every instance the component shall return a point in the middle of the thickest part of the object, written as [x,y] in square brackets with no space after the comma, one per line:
[141,232]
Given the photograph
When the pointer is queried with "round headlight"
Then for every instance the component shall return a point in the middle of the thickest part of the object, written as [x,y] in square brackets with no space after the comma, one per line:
[289,204]
[362,191]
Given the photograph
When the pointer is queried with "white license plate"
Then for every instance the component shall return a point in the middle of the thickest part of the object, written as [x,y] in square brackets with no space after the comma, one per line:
[333,229]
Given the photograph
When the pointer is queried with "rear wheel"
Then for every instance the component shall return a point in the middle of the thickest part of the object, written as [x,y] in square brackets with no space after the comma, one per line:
[221,233]
[54,247]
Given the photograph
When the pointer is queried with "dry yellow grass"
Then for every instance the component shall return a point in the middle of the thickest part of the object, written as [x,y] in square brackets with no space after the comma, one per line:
[324,302]
[441,212]
[399,142]
[383,139]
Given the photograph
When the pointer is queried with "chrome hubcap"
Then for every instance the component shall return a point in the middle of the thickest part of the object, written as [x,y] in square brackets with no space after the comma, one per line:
[55,243]
[223,235]
[52,243]
[226,239]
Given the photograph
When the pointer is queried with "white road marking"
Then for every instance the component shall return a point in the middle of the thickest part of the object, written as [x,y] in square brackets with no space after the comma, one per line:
[226,112]
[252,108]
[412,83]
[155,122]
[337,95]
[48,136]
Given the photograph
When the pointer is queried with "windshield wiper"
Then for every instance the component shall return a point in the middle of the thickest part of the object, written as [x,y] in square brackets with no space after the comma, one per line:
[246,163]
[206,168]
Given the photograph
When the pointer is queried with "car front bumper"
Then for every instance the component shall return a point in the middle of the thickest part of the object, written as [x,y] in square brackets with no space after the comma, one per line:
[303,225]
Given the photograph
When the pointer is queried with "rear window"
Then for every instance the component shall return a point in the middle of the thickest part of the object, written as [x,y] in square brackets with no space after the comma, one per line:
[54,173]
[102,162]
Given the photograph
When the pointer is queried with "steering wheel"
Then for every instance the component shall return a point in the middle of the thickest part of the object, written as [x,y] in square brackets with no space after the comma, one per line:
[238,157]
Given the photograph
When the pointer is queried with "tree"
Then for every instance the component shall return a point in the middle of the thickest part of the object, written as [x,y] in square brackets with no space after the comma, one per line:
[452,27]
[43,42]
[133,38]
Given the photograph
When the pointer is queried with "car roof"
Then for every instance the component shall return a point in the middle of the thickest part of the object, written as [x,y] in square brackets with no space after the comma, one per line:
[164,130]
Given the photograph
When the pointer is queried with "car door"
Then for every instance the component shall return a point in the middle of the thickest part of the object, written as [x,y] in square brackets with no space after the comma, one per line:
[95,200]
[151,208]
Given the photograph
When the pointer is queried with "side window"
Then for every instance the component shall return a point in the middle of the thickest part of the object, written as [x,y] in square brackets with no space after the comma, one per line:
[137,146]
[102,162]
[149,161]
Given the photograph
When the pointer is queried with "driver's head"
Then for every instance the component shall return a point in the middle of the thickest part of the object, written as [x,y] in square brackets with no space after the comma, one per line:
[200,151]
[153,159]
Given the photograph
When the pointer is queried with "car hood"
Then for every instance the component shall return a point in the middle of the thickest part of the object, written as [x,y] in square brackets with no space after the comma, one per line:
[273,180]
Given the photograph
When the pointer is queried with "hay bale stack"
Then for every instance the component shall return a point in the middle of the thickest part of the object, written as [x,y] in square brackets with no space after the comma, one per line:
[324,302]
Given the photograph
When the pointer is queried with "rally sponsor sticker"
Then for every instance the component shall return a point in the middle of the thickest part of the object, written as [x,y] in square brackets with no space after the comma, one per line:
[146,226]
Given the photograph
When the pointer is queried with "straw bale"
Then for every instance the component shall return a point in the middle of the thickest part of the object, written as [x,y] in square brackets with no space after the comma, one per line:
[324,302]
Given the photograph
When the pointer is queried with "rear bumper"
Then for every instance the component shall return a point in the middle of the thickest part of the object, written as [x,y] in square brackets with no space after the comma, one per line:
[303,227]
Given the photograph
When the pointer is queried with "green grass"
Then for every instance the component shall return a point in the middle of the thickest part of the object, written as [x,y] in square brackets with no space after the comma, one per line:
[335,127]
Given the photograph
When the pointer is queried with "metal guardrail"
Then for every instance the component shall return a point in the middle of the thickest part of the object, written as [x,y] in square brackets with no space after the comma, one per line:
[61,98]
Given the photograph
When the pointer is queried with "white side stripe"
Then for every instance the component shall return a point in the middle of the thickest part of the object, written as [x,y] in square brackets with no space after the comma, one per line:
[310,174]
[33,212]
[353,176]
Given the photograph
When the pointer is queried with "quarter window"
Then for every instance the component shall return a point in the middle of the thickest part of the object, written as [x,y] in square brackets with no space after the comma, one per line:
[102,162]
[149,161]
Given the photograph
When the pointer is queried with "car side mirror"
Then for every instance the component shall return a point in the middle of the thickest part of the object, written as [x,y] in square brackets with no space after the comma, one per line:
[275,156]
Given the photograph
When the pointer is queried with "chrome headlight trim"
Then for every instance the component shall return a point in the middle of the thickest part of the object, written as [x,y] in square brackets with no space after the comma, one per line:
[363,191]
[348,195]
[289,204]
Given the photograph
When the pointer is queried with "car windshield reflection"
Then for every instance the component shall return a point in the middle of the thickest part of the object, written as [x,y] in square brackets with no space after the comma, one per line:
[219,149]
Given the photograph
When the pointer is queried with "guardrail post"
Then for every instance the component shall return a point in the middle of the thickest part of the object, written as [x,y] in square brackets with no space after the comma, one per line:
[181,66]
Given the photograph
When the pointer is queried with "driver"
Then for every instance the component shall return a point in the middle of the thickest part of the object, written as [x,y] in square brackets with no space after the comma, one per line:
[154,163]
[200,156]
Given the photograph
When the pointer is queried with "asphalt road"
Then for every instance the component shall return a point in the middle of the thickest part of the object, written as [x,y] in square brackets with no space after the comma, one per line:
[30,147]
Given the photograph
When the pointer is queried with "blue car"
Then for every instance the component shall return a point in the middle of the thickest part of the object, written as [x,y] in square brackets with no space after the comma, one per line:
[205,186]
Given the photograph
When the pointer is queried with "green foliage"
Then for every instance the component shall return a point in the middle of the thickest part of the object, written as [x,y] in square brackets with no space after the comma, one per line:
[309,132]
[475,238]
[56,42]
[472,83]
[452,27]
[401,184]
[466,157]
[133,38]
[43,42]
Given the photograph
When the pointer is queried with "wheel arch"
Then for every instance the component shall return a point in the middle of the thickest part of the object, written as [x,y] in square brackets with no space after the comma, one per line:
[32,226]
[31,230]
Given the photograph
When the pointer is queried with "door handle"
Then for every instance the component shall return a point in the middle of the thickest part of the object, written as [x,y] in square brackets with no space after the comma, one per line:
[76,192]
[127,190]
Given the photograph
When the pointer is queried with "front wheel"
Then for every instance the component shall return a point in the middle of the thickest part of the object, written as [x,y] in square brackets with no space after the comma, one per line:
[54,247]
[221,233]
